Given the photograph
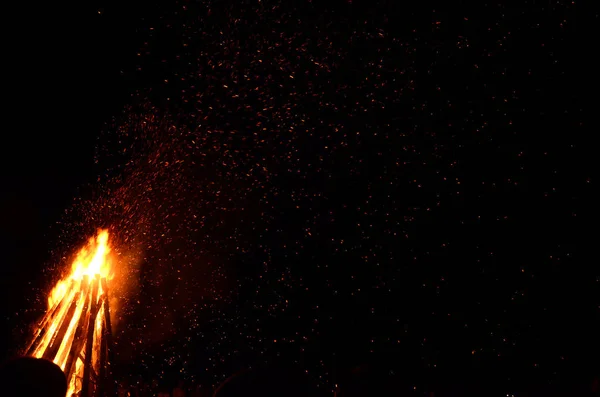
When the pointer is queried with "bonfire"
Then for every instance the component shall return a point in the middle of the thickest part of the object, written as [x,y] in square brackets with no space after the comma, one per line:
[76,331]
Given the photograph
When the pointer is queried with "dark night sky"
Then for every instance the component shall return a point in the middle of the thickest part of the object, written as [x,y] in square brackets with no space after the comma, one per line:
[473,201]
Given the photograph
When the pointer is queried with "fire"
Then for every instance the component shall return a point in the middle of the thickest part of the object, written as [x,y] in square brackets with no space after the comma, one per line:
[90,261]
[74,332]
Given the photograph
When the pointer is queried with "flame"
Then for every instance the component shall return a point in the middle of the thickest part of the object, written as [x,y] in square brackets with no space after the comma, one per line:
[90,261]
[70,306]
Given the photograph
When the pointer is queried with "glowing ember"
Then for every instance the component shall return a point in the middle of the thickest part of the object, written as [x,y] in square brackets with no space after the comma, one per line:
[74,332]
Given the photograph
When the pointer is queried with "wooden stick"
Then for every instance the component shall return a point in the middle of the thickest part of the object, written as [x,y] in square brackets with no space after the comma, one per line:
[47,322]
[53,347]
[78,339]
[102,370]
[109,341]
[87,364]
[43,327]
[43,331]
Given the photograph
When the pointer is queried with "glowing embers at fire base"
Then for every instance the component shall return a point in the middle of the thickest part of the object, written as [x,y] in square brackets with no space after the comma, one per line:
[75,333]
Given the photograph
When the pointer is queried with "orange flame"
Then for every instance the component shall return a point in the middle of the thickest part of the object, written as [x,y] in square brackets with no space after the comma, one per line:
[71,292]
[90,261]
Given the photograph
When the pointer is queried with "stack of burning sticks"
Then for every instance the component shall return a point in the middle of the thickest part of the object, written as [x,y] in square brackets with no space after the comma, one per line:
[76,335]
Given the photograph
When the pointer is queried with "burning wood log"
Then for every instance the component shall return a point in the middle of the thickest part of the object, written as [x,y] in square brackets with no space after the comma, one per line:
[107,311]
[89,343]
[108,340]
[102,378]
[47,322]
[57,340]
[78,339]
